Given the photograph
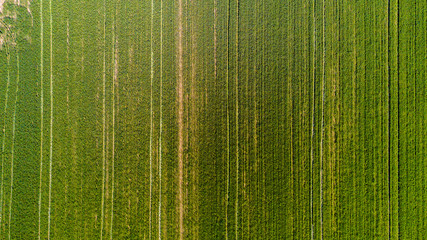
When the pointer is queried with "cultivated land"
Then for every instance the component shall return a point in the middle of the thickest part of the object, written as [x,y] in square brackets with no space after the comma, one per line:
[236,119]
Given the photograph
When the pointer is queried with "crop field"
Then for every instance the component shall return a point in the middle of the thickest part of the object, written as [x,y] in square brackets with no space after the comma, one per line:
[213,119]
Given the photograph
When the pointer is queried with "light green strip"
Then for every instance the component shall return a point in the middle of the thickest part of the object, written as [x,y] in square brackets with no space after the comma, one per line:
[41,116]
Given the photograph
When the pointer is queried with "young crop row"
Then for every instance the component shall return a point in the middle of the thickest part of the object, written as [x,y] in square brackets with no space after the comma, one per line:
[258,119]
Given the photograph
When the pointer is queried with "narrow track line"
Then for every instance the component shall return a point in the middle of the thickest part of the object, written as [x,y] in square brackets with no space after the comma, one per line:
[313,123]
[255,122]
[41,117]
[161,120]
[180,99]
[228,122]
[263,116]
[151,119]
[103,126]
[323,117]
[215,40]
[51,122]
[290,101]
[354,115]
[247,193]
[237,121]
[389,122]
[397,165]
[115,73]
[13,145]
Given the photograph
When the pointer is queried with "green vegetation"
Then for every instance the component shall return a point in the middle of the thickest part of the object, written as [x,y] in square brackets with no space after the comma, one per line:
[256,119]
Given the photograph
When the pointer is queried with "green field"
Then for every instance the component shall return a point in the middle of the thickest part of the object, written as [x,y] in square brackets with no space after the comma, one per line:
[234,119]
